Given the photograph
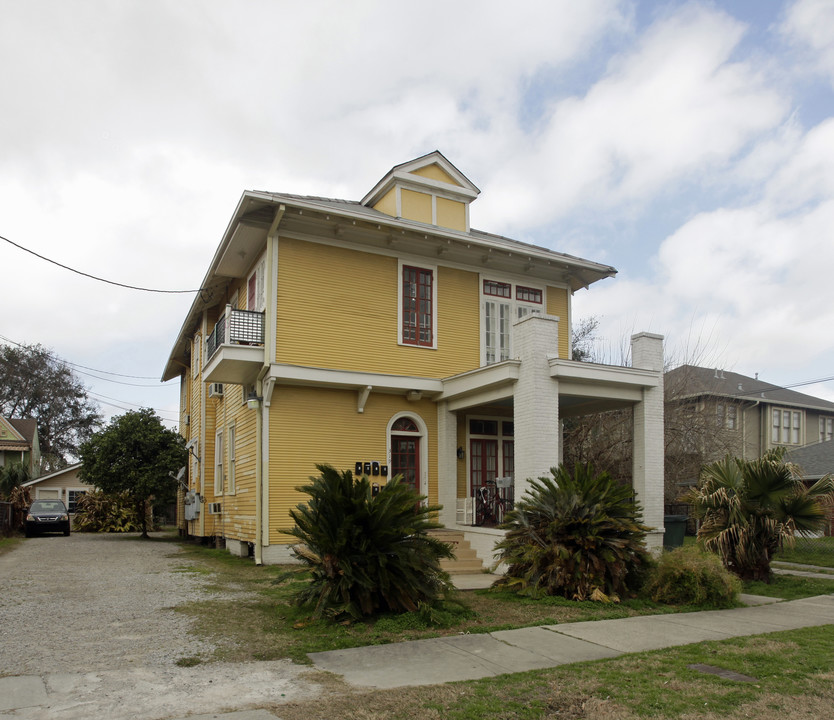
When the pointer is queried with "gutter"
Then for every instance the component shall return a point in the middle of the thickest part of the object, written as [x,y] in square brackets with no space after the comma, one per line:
[264,391]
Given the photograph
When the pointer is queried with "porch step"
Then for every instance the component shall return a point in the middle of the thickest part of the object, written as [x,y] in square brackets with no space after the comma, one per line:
[466,561]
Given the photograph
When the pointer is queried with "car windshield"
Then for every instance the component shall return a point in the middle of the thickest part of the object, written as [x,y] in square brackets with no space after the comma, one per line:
[48,506]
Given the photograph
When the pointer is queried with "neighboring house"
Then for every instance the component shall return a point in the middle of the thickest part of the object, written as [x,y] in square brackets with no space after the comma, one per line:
[711,413]
[754,415]
[62,484]
[815,462]
[388,337]
[19,443]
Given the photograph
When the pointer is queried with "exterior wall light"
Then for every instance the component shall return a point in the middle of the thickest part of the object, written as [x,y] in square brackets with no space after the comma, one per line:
[253,402]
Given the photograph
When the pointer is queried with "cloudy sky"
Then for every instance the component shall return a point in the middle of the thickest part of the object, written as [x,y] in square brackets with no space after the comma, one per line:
[689,144]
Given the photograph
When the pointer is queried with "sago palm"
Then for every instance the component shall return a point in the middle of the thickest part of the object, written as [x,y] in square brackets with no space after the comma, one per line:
[750,508]
[577,534]
[367,553]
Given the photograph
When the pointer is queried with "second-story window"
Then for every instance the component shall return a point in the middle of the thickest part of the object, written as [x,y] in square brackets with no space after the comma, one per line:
[502,303]
[787,427]
[826,429]
[417,306]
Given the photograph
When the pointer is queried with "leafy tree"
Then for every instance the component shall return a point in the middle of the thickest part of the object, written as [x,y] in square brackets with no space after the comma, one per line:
[577,534]
[134,455]
[751,508]
[35,383]
[367,553]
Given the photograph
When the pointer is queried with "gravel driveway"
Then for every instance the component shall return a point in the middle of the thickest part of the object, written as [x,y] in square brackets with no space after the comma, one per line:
[93,616]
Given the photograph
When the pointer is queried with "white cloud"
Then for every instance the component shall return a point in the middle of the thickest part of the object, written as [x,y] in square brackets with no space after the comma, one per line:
[673,109]
[758,274]
[809,24]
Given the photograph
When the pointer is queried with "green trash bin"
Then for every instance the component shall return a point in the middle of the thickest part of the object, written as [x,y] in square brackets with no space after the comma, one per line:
[675,529]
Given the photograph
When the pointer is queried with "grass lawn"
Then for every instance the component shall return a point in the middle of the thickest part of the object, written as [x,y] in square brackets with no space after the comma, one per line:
[259,622]
[819,551]
[9,543]
[253,619]
[793,678]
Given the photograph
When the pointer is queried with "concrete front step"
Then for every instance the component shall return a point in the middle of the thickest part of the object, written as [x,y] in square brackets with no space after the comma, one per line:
[466,560]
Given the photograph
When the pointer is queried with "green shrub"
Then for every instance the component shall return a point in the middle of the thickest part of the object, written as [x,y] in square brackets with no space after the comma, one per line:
[97,511]
[577,535]
[367,554]
[689,576]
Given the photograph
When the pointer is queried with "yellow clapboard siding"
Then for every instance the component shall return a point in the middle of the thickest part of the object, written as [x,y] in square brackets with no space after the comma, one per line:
[416,206]
[435,172]
[451,214]
[388,203]
[310,426]
[558,304]
[337,308]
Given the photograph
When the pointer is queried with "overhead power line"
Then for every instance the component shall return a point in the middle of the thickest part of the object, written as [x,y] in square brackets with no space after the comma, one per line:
[95,277]
[96,370]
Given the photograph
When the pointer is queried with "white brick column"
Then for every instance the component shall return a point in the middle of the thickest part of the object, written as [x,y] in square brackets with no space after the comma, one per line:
[535,400]
[447,468]
[647,354]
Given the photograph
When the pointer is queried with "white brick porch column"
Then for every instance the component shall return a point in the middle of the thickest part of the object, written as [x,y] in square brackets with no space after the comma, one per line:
[447,468]
[647,354]
[535,400]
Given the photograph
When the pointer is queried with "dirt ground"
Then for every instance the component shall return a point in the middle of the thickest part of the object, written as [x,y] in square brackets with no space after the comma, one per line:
[93,615]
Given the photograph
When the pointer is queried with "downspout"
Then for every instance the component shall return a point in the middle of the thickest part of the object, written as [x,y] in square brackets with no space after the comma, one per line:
[264,389]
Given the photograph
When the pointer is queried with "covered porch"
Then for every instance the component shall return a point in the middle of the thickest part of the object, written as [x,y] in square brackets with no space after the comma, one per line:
[500,425]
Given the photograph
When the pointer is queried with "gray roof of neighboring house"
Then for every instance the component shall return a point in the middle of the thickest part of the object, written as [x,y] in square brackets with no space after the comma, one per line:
[815,460]
[697,381]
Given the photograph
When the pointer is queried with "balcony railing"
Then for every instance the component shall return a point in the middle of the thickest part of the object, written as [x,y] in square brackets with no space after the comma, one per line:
[236,327]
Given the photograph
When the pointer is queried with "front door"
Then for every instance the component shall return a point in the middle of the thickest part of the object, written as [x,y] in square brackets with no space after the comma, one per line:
[405,459]
[483,463]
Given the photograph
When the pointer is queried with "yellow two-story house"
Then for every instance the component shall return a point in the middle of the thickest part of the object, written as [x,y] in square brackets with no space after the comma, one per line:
[388,337]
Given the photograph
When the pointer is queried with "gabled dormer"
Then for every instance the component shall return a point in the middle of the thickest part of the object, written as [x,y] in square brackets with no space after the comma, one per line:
[428,189]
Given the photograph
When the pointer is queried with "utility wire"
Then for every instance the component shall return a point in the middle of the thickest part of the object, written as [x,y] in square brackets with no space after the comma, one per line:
[95,277]
[104,372]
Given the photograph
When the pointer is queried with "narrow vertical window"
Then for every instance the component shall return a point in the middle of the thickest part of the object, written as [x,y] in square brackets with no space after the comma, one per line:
[497,331]
[777,426]
[218,463]
[232,483]
[796,430]
[417,307]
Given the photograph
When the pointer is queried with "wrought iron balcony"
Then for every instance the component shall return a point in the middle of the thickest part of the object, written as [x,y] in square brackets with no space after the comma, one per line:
[234,347]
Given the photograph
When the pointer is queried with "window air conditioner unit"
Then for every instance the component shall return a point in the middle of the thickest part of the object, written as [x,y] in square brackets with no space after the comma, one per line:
[188,420]
[216,390]
[215,508]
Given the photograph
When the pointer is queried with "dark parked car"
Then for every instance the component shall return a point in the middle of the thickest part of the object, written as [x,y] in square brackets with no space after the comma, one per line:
[47,516]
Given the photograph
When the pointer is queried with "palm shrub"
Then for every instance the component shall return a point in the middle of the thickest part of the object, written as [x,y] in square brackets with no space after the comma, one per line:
[366,553]
[97,511]
[751,508]
[577,534]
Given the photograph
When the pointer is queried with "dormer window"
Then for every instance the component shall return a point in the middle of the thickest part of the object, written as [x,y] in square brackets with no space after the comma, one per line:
[429,190]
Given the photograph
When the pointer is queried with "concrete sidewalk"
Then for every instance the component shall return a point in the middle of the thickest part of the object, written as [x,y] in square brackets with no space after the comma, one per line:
[469,657]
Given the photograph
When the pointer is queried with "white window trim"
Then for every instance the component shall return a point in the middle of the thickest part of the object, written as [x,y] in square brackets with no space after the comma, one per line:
[232,473]
[83,490]
[423,434]
[218,463]
[788,429]
[259,272]
[417,263]
[513,304]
